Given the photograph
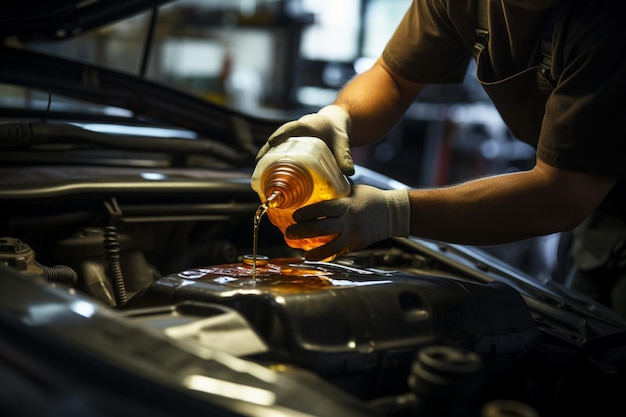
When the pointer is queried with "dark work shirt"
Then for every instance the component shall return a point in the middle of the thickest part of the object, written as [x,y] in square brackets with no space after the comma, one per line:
[579,123]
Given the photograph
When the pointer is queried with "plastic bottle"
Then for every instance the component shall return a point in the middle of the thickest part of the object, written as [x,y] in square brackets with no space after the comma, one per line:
[296,173]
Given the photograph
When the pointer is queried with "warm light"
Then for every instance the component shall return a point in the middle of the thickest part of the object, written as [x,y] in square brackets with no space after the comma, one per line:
[230,390]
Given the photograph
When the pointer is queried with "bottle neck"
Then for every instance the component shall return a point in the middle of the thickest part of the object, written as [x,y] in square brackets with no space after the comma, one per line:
[287,185]
[275,199]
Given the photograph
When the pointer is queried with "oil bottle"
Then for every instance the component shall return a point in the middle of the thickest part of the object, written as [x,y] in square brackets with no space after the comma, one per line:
[294,174]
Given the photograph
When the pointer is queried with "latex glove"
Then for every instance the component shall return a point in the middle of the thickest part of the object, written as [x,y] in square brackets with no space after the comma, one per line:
[331,124]
[366,216]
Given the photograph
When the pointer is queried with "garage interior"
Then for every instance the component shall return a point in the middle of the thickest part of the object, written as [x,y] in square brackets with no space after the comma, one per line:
[285,58]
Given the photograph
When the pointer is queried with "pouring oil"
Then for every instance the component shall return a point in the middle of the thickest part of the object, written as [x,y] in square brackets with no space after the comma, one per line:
[255,236]
[296,173]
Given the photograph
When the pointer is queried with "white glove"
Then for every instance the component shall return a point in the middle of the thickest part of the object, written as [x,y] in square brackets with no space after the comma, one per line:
[331,124]
[366,216]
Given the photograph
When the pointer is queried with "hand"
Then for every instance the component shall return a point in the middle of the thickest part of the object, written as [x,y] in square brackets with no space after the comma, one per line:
[366,216]
[331,124]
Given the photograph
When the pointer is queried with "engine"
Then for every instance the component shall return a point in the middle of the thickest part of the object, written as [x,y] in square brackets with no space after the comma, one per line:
[409,327]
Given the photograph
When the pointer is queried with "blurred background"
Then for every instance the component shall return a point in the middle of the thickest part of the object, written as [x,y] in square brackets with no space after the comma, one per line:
[285,58]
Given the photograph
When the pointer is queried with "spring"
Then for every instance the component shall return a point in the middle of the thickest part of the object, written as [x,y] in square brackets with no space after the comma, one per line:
[112,254]
[59,273]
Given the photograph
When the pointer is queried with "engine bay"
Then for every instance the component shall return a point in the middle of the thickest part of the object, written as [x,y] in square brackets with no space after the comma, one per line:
[409,327]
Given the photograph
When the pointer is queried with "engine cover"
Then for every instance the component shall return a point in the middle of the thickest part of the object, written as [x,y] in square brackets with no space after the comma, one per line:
[335,319]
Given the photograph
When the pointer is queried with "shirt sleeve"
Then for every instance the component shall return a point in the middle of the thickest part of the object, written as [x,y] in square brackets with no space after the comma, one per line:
[584,122]
[426,46]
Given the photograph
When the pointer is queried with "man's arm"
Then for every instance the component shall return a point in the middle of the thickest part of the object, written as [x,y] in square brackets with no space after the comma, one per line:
[508,207]
[376,100]
[484,211]
[491,210]
[364,111]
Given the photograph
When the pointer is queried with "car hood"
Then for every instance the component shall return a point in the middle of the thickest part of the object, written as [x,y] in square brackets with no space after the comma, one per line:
[61,19]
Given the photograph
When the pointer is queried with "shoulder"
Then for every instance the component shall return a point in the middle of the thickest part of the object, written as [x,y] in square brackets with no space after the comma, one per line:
[589,35]
[583,24]
[438,22]
[589,62]
[432,31]
[442,13]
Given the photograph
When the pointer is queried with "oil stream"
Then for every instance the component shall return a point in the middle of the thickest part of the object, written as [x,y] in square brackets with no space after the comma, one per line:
[255,237]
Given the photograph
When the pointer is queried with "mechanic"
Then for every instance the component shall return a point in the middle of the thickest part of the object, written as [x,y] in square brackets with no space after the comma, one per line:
[566,100]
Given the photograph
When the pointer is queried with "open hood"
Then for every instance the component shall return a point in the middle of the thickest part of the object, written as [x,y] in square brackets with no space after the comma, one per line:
[61,19]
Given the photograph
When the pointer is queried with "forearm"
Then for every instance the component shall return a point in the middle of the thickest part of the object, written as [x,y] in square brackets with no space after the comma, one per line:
[506,208]
[376,100]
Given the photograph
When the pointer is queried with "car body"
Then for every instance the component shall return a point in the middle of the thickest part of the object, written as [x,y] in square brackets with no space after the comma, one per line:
[126,215]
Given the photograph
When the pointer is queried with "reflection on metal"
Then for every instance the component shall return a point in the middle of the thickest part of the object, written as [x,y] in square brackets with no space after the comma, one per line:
[83,308]
[118,129]
[228,332]
[41,314]
[230,390]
